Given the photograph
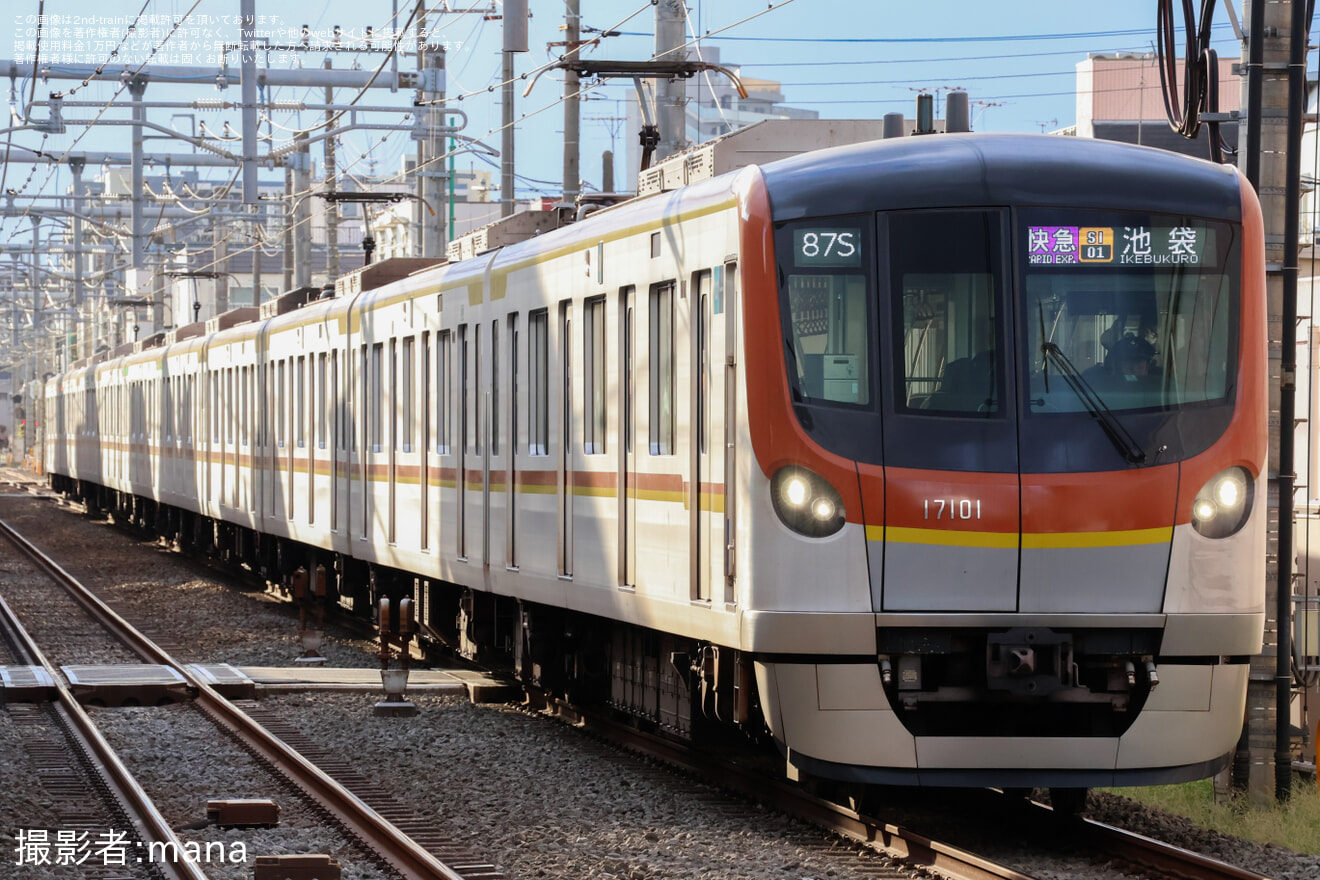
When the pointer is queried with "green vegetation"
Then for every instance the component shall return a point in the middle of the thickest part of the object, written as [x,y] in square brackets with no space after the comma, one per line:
[1295,825]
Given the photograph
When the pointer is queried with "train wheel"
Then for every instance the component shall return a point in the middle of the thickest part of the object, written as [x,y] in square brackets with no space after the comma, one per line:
[1068,801]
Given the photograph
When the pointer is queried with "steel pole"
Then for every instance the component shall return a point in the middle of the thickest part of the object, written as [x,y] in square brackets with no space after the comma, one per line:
[248,66]
[572,107]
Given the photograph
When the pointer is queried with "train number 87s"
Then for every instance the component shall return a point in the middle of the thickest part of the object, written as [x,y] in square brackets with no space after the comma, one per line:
[939,459]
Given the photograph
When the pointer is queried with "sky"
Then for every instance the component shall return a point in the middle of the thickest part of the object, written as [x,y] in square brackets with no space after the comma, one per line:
[842,58]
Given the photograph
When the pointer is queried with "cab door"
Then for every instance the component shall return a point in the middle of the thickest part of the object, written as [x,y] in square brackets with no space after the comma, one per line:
[951,506]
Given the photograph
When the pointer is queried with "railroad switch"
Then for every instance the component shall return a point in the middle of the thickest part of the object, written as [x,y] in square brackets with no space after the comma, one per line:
[305,867]
[243,813]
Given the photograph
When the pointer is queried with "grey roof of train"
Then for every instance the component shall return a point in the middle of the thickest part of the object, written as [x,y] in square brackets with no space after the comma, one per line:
[953,170]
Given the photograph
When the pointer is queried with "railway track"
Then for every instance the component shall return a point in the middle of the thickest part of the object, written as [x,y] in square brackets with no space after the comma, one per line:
[91,791]
[1128,853]
[376,833]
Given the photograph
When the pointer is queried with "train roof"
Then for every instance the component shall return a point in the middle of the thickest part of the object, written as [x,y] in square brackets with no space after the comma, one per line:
[951,170]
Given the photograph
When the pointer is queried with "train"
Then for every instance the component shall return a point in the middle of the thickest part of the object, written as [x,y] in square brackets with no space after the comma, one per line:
[934,460]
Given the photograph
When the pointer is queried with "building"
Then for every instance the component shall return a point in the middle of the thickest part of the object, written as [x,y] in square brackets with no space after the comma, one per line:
[1119,98]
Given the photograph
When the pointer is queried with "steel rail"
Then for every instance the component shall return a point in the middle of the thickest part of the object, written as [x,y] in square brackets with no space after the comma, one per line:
[141,810]
[1162,858]
[901,844]
[359,819]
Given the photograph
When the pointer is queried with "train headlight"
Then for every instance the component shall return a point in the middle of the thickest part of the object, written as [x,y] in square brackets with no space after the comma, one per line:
[1223,504]
[806,503]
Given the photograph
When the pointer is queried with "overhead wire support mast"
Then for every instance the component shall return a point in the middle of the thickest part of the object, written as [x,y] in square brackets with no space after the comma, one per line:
[637,71]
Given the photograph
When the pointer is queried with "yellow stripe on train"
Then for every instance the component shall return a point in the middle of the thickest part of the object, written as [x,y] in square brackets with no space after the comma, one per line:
[1029,540]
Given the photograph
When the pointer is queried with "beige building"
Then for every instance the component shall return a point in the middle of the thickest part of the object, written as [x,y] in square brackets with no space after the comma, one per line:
[1119,99]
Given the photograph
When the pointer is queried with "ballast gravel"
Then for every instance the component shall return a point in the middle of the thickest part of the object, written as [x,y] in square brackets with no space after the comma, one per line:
[541,801]
[180,759]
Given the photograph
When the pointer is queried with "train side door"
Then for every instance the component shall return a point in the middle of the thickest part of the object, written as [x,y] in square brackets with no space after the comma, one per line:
[464,398]
[726,286]
[566,459]
[951,507]
[511,456]
[706,465]
[338,437]
[627,439]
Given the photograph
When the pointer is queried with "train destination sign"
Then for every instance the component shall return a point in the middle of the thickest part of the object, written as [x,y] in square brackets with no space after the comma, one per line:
[1120,246]
[827,246]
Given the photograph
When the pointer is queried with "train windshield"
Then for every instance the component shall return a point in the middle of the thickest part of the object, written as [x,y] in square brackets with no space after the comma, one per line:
[1132,309]
[828,340]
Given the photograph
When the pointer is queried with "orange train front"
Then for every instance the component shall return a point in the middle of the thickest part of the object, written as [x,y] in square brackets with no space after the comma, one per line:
[1009,428]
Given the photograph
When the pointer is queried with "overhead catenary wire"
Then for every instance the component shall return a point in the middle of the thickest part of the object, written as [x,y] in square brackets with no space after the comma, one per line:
[123,85]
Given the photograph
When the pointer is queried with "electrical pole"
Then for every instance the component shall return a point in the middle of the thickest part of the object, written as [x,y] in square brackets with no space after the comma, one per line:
[259,239]
[76,166]
[515,40]
[247,51]
[220,256]
[1273,97]
[288,259]
[135,89]
[670,94]
[430,118]
[572,158]
[331,214]
[302,235]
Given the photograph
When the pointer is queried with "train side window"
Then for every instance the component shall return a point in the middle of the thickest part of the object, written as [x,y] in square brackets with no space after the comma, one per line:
[495,387]
[701,321]
[375,400]
[443,353]
[462,379]
[513,384]
[288,397]
[279,405]
[168,410]
[395,414]
[593,370]
[300,404]
[661,326]
[263,423]
[566,383]
[321,427]
[538,393]
[364,407]
[215,407]
[477,397]
[406,392]
[338,410]
[425,443]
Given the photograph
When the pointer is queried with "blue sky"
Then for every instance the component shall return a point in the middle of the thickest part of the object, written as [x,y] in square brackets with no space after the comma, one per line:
[843,58]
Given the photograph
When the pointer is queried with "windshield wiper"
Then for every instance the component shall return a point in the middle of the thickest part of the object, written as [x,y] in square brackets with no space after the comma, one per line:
[802,396]
[1123,441]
